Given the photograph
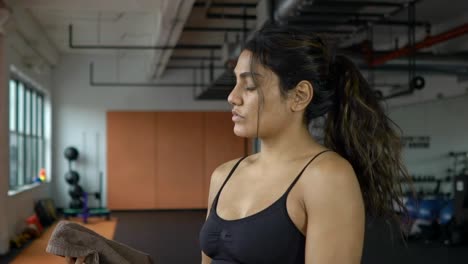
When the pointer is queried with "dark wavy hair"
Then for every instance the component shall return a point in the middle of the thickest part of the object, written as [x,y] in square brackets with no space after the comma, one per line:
[356,125]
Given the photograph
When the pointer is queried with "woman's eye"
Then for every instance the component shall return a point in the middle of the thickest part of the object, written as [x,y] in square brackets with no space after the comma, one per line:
[250,88]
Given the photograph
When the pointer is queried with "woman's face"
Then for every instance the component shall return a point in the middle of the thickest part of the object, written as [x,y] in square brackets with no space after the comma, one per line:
[258,100]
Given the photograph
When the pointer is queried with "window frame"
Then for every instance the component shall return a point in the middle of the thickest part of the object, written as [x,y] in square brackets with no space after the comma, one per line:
[31,138]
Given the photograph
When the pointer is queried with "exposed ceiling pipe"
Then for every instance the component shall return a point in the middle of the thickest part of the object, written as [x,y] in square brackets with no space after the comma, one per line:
[429,41]
[287,8]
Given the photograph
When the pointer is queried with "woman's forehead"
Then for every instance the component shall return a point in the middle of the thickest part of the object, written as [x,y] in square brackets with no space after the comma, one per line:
[243,62]
[247,63]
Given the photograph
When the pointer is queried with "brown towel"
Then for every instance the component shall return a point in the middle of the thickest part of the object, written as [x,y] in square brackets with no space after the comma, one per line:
[74,240]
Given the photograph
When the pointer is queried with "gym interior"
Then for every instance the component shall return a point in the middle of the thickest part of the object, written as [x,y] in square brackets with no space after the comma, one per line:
[115,113]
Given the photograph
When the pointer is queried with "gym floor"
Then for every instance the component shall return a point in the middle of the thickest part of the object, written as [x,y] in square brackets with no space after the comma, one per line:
[171,237]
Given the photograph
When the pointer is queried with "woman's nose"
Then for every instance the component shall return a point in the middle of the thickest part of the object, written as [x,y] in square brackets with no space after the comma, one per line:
[234,97]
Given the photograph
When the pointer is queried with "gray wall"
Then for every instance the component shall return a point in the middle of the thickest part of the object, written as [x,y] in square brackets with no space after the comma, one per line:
[445,121]
[14,209]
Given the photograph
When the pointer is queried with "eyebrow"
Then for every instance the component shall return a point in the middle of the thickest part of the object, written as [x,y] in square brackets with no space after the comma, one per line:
[248,74]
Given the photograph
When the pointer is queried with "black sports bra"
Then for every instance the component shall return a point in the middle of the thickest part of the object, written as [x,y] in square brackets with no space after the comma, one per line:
[268,236]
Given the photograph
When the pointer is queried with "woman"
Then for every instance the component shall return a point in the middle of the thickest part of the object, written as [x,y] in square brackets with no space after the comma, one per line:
[299,200]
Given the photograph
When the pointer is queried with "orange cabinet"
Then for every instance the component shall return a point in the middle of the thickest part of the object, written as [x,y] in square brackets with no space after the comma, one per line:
[130,160]
[164,160]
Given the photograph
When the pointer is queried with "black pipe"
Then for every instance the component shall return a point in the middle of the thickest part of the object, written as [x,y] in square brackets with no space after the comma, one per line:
[120,47]
[325,31]
[229,16]
[222,29]
[357,4]
[212,66]
[353,22]
[393,13]
[310,12]
[202,70]
[226,5]
[195,81]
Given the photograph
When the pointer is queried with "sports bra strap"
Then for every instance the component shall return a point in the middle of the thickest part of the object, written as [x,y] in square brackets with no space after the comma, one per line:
[300,174]
[227,179]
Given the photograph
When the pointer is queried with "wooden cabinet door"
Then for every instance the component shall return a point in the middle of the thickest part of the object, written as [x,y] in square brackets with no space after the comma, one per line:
[130,160]
[180,155]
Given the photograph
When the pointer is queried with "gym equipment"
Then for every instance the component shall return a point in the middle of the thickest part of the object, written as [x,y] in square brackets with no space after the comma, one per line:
[76,204]
[72,177]
[71,154]
[86,212]
[417,83]
[412,207]
[446,213]
[79,204]
[76,191]
[437,216]
[33,220]
[454,216]
[45,211]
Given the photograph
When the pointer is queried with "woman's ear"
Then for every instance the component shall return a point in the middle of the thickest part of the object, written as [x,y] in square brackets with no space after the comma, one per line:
[302,95]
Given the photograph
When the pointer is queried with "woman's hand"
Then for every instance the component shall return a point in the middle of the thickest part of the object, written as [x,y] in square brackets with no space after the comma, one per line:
[79,260]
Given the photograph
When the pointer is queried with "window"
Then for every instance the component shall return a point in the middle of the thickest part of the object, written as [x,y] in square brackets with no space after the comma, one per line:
[26,133]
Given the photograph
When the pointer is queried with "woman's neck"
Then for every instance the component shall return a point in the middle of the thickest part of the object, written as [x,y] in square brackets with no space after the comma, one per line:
[289,145]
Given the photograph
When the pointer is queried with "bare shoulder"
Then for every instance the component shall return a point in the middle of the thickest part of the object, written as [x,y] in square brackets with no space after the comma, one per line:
[221,172]
[328,176]
[218,177]
[330,166]
[332,195]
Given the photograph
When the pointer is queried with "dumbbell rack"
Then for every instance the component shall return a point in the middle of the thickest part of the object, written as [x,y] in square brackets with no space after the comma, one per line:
[87,212]
[425,179]
[460,169]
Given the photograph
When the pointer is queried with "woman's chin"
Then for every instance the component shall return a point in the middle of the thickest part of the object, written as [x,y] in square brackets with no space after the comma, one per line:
[240,131]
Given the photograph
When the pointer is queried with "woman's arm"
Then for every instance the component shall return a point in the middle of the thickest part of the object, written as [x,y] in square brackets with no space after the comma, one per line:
[335,210]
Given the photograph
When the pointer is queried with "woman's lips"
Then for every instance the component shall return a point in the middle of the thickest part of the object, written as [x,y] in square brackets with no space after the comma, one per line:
[236,118]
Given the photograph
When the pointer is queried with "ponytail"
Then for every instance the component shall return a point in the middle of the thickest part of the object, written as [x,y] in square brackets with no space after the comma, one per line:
[359,130]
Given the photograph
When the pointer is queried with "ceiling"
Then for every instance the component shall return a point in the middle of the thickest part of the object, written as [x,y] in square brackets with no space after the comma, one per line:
[204,26]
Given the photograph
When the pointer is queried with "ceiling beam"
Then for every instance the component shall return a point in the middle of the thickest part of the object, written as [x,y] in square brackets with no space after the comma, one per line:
[33,35]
